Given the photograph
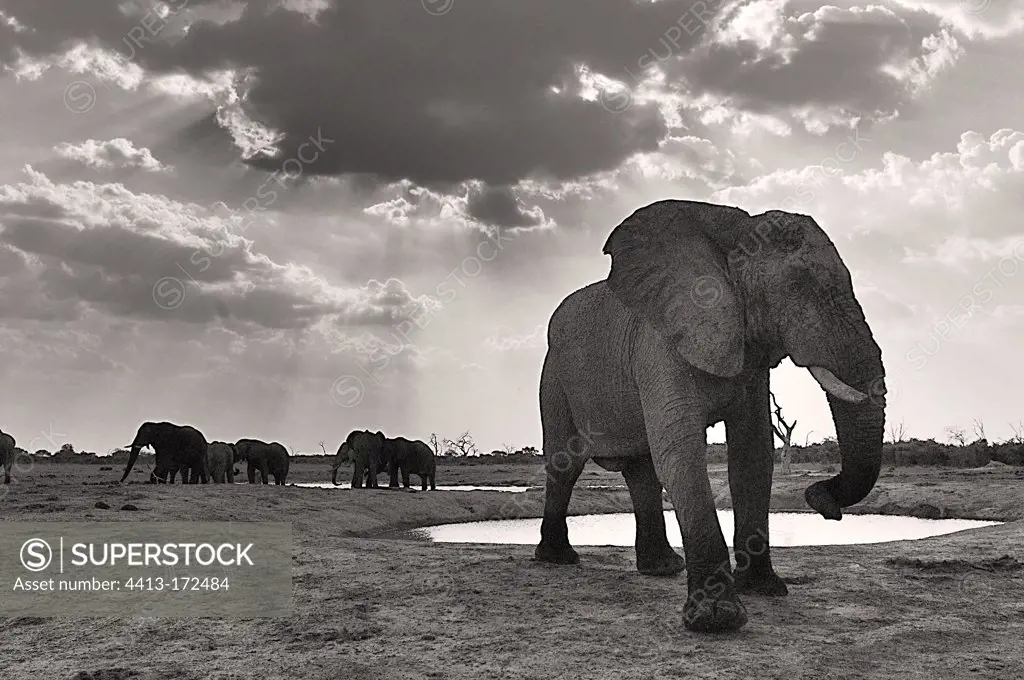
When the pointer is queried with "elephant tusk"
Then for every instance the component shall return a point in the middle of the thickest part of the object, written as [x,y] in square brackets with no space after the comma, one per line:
[836,387]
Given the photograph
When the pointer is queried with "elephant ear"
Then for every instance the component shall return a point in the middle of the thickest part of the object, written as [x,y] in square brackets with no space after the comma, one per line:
[669,266]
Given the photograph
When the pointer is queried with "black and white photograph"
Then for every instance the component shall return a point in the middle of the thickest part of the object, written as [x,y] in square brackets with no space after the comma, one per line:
[511,339]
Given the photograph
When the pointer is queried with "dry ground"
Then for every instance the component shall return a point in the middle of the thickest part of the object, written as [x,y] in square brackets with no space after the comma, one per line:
[934,608]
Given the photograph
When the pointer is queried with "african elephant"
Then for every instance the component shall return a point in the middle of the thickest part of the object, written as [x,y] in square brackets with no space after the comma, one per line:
[366,451]
[177,447]
[269,459]
[409,457]
[701,301]
[220,461]
[7,455]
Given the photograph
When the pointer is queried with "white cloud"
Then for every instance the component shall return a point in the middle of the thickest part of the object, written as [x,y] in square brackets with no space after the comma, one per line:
[114,153]
[505,340]
[977,19]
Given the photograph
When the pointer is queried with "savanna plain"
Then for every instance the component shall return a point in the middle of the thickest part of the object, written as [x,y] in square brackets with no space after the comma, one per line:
[371,602]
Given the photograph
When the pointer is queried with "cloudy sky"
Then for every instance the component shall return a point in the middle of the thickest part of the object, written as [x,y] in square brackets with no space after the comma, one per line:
[286,219]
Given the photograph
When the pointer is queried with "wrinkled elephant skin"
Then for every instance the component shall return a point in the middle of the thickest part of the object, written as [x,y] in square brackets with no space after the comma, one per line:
[701,301]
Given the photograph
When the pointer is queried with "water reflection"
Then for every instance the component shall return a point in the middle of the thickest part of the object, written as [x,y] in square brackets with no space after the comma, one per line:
[786,529]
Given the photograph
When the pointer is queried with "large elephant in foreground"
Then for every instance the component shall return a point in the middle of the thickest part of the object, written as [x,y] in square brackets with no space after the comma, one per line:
[7,455]
[409,457]
[178,448]
[366,451]
[701,301]
[269,459]
[220,462]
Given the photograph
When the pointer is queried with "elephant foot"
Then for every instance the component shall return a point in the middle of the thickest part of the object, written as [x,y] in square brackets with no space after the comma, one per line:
[556,553]
[760,582]
[712,606]
[665,562]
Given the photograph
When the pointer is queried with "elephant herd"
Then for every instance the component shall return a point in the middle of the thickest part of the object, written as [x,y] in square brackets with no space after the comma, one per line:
[184,449]
[372,453]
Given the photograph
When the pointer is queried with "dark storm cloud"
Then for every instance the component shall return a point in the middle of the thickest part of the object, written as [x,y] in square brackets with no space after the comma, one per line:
[498,206]
[863,60]
[118,251]
[68,247]
[403,93]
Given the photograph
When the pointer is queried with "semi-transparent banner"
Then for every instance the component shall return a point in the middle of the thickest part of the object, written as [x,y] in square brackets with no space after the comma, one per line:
[85,569]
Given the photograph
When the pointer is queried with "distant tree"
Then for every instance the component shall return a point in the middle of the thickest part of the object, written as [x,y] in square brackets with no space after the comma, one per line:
[956,435]
[67,449]
[1018,433]
[528,451]
[506,450]
[42,453]
[784,431]
[436,443]
[323,446]
[898,432]
[979,431]
[463,446]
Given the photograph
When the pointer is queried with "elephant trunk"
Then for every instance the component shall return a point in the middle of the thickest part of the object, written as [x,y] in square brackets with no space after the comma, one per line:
[860,426]
[334,472]
[133,456]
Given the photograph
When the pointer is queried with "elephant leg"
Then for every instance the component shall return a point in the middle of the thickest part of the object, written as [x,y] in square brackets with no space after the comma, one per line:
[229,473]
[264,473]
[654,555]
[562,470]
[677,435]
[250,470]
[750,443]
[681,460]
[405,477]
